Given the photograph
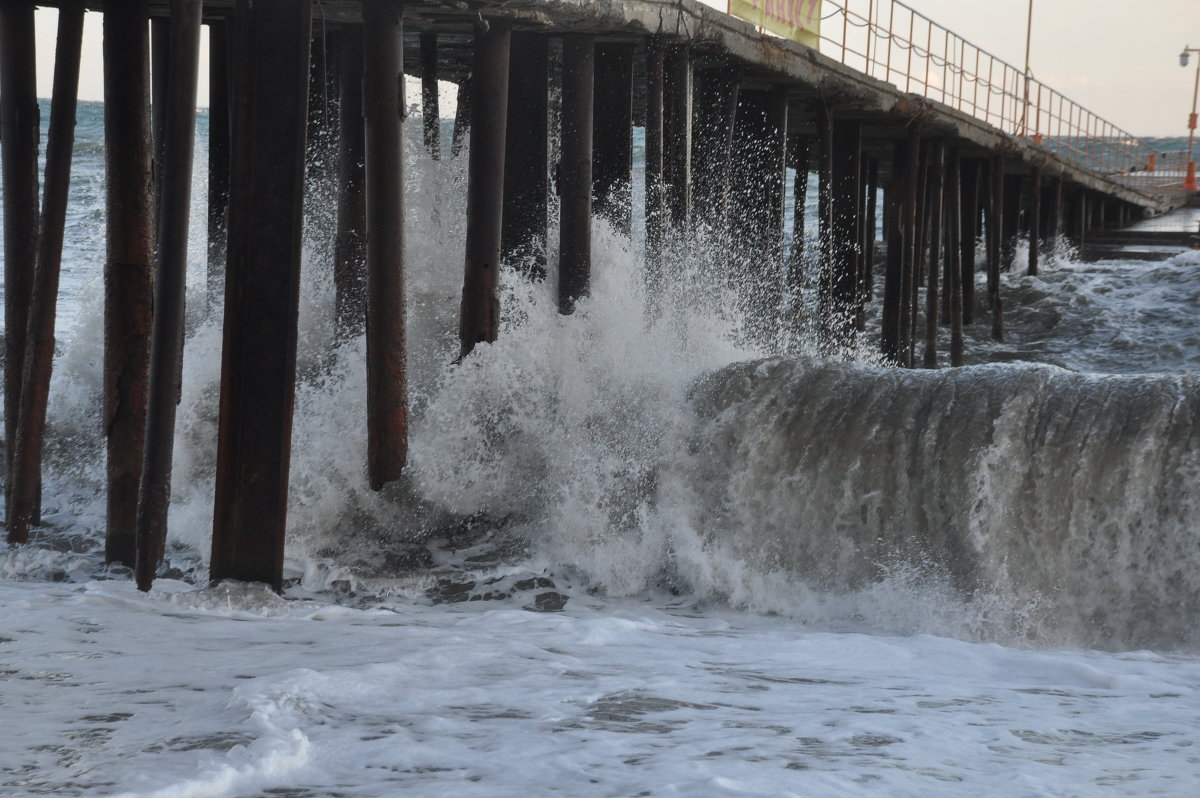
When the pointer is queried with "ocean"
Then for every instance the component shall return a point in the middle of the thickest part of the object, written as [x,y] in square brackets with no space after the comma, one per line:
[691,554]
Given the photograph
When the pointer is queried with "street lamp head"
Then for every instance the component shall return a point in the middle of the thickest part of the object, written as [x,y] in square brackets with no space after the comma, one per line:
[1183,57]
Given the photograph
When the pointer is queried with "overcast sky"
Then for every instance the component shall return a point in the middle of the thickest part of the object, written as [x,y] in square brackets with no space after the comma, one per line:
[1117,58]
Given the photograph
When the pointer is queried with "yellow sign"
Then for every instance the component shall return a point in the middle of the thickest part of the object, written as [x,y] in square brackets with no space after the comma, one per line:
[798,20]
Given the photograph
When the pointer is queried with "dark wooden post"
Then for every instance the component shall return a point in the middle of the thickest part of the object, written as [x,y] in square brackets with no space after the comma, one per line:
[39,343]
[911,218]
[387,383]
[968,234]
[937,190]
[526,182]
[655,190]
[757,198]
[20,136]
[349,270]
[870,230]
[258,368]
[612,134]
[897,195]
[218,156]
[480,314]
[956,211]
[170,282]
[575,172]
[160,66]
[995,236]
[462,117]
[802,154]
[1035,216]
[1010,229]
[677,127]
[844,227]
[430,113]
[1054,226]
[713,136]
[129,270]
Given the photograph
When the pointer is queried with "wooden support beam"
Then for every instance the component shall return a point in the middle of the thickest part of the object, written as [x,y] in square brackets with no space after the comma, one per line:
[349,269]
[655,215]
[430,113]
[129,269]
[258,368]
[870,230]
[218,157]
[996,227]
[802,147]
[1035,216]
[1014,189]
[712,145]
[844,270]
[160,65]
[526,157]
[1055,225]
[387,382]
[757,207]
[480,313]
[20,136]
[39,343]
[937,190]
[893,287]
[170,282]
[956,211]
[677,128]
[462,117]
[968,233]
[612,134]
[911,219]
[575,171]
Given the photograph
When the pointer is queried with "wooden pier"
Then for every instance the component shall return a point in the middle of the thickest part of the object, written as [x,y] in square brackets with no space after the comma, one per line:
[726,110]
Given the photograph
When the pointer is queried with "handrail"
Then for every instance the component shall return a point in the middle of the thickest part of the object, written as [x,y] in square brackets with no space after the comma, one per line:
[899,45]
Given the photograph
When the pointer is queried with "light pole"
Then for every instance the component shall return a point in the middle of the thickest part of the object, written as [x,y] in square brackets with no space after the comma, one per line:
[1189,183]
[1028,40]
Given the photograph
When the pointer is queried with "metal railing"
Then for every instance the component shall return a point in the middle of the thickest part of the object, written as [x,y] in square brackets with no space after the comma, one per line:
[890,41]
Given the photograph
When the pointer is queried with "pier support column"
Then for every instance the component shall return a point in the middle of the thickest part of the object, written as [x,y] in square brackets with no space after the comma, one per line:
[43,298]
[911,204]
[801,153]
[1010,227]
[995,228]
[935,267]
[575,171]
[1054,215]
[218,157]
[1035,220]
[526,188]
[387,381]
[712,146]
[160,65]
[129,268]
[955,211]
[757,199]
[431,122]
[900,191]
[655,190]
[870,229]
[170,284]
[480,312]
[349,267]
[612,134]
[258,363]
[677,129]
[841,276]
[968,233]
[20,135]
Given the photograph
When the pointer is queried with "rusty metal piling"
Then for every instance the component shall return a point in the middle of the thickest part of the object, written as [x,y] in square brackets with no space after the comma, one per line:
[612,134]
[575,171]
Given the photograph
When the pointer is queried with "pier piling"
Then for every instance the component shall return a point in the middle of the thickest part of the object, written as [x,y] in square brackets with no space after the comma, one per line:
[258,371]
[20,138]
[575,171]
[218,156]
[612,134]
[677,130]
[174,180]
[1035,220]
[526,156]
[387,383]
[431,123]
[349,269]
[39,341]
[655,215]
[129,269]
[955,247]
[936,267]
[480,310]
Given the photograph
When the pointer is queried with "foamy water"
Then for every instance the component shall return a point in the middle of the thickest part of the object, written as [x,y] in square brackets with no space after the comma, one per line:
[641,555]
